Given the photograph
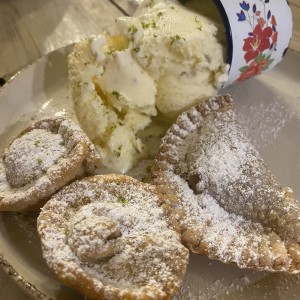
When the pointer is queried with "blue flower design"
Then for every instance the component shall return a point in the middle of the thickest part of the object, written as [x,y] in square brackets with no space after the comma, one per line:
[245,6]
[242,16]
[254,8]
[269,14]
[267,1]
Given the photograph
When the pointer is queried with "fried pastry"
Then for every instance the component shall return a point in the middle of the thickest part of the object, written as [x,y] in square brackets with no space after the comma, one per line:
[231,207]
[107,237]
[41,160]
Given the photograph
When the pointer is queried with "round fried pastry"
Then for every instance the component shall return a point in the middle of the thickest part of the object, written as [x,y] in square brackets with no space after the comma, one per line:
[107,237]
[41,160]
[234,208]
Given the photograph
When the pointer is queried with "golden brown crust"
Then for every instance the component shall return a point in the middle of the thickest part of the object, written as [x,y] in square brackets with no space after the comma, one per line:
[131,253]
[235,210]
[41,160]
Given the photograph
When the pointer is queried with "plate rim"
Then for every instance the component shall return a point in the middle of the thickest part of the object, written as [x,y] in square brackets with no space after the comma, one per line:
[7,267]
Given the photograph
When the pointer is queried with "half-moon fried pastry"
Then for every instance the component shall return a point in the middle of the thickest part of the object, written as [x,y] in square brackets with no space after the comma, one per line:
[231,206]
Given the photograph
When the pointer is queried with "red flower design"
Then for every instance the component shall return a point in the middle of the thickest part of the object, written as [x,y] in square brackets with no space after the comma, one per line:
[256,44]
[261,22]
[254,69]
[260,43]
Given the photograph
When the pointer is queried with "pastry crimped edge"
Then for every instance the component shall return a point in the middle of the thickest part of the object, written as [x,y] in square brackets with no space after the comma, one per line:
[276,255]
[73,275]
[82,160]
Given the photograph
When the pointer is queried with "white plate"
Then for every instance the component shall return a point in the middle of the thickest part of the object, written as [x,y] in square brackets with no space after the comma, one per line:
[268,108]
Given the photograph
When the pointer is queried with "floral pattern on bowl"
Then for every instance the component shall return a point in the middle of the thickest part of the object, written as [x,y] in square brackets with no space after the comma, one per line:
[258,34]
[262,40]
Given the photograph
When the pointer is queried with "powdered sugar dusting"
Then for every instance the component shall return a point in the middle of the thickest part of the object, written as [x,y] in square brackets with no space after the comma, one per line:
[235,209]
[219,159]
[41,160]
[29,156]
[227,234]
[263,122]
[126,255]
[210,151]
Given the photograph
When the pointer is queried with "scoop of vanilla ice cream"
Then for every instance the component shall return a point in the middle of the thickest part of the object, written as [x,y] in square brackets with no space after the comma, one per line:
[165,58]
[114,98]
[182,51]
